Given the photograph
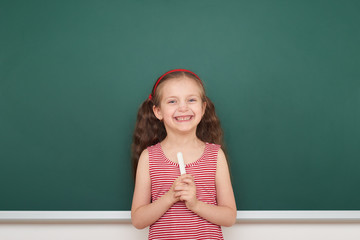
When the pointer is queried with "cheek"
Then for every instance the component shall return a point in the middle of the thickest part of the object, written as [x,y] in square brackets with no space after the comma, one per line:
[168,112]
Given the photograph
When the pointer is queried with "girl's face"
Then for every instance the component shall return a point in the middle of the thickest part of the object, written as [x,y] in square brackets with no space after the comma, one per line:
[181,107]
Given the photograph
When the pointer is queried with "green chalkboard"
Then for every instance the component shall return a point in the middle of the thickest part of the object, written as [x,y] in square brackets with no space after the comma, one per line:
[284,77]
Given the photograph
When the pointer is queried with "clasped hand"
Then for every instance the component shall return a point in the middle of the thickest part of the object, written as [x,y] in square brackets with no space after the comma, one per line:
[184,189]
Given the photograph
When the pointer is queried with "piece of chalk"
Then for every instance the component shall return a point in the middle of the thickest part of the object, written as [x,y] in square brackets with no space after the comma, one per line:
[181,163]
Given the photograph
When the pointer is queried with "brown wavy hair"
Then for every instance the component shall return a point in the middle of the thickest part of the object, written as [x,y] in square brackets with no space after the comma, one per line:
[149,130]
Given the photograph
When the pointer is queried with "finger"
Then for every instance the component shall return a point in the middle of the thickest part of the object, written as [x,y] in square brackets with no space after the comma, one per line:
[182,196]
[187,176]
[178,194]
[186,197]
[181,177]
[188,182]
[178,189]
[180,185]
[177,180]
[182,188]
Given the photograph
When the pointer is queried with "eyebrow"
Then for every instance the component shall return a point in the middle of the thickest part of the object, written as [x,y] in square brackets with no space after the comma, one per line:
[190,95]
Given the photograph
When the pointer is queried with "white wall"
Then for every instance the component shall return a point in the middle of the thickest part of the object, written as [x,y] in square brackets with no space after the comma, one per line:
[242,231]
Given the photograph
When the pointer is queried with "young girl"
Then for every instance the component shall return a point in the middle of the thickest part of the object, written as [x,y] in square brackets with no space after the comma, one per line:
[178,117]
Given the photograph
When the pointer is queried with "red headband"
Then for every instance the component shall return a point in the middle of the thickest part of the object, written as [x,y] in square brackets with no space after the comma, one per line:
[175,70]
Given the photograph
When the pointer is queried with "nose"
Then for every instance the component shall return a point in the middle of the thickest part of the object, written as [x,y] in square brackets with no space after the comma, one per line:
[183,106]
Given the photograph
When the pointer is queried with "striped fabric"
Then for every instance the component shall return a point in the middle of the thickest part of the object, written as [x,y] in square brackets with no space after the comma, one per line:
[179,222]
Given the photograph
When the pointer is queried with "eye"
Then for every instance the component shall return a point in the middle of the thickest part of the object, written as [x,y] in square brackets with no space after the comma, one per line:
[192,100]
[171,101]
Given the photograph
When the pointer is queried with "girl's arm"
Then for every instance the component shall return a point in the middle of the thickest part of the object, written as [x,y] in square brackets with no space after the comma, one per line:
[224,213]
[143,212]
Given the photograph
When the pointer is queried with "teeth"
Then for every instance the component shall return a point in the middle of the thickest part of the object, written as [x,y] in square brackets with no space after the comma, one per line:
[183,118]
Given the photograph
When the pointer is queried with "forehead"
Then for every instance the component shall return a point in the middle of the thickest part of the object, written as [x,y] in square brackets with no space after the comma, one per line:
[180,86]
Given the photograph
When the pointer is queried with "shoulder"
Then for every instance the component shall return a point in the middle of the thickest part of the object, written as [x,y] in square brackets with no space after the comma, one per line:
[219,153]
[144,157]
[150,152]
[216,153]
[145,153]
[222,166]
[152,148]
[213,146]
[142,171]
[221,156]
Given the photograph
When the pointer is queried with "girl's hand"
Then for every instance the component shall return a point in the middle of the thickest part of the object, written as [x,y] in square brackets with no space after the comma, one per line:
[171,194]
[185,190]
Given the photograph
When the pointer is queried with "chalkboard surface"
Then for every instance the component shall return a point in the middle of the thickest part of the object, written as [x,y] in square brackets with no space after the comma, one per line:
[284,77]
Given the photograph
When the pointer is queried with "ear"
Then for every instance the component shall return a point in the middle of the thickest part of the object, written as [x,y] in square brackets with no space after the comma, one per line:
[203,109]
[157,112]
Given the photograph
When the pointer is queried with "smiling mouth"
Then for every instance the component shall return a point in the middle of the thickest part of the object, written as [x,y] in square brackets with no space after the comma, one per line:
[183,118]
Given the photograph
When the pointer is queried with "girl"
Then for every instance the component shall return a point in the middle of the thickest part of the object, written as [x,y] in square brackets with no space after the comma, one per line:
[178,117]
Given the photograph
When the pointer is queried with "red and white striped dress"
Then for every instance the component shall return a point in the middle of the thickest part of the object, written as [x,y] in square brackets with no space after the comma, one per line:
[179,222]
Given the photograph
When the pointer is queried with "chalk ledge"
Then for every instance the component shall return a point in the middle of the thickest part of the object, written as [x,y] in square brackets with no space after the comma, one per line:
[125,216]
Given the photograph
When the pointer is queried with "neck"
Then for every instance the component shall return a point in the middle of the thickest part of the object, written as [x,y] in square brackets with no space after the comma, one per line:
[181,141]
